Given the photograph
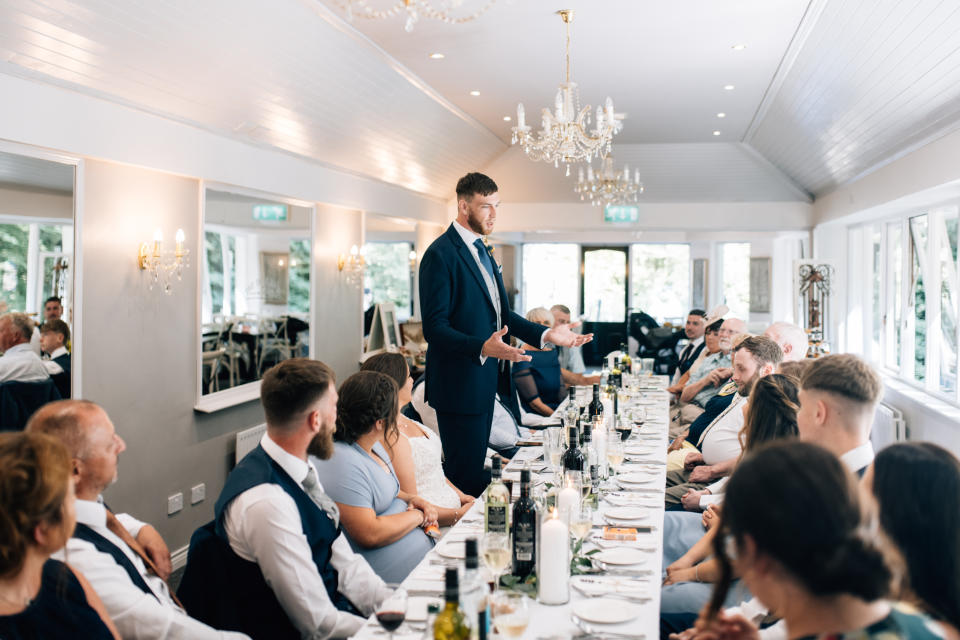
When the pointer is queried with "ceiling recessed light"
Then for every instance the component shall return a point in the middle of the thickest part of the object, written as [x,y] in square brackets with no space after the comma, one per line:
[728,87]
[716,133]
[739,47]
[474,93]
[721,115]
[437,56]
[507,118]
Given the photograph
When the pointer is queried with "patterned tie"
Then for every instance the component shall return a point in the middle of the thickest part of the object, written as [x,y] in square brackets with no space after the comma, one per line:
[312,486]
[117,529]
[485,258]
[686,353]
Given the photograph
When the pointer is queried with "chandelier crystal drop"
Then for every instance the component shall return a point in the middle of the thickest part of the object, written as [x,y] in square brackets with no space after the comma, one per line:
[443,10]
[564,136]
[607,186]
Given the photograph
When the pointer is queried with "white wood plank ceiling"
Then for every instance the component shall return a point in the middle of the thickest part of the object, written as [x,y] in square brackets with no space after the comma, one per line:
[33,173]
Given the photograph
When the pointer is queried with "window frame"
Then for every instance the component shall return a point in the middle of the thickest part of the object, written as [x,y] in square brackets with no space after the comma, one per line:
[411,273]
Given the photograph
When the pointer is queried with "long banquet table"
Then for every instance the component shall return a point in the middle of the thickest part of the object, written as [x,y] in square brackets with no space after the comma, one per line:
[634,585]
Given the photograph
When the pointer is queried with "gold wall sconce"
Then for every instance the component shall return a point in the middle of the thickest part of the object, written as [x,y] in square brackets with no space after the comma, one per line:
[413,262]
[354,264]
[163,264]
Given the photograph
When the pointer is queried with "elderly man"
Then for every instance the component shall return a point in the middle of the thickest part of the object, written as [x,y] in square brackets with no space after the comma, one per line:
[791,338]
[20,363]
[125,560]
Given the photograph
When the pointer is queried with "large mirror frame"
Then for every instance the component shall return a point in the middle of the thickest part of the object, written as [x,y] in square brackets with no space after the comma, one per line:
[39,153]
[210,402]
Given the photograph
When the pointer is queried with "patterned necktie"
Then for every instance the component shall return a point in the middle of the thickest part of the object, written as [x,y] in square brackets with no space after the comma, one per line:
[485,258]
[686,353]
[312,486]
[116,528]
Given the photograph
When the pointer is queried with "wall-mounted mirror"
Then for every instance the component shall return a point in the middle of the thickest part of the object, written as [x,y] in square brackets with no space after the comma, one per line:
[255,291]
[36,254]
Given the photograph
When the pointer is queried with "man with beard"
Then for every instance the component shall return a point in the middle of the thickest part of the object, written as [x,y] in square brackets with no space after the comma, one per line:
[303,579]
[468,323]
[719,444]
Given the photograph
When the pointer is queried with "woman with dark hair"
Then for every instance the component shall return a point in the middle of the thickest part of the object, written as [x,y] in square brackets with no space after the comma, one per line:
[917,486]
[40,597]
[382,522]
[795,529]
[417,455]
[770,414]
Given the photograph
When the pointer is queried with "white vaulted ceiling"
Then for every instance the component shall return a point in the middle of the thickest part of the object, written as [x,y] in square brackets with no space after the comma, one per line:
[34,173]
[825,90]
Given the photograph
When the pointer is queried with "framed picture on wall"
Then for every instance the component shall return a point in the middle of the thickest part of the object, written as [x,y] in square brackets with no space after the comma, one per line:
[759,285]
[275,275]
[698,284]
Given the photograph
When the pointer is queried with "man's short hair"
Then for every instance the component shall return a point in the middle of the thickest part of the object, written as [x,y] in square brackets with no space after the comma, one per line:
[562,308]
[56,326]
[762,348]
[714,327]
[475,184]
[53,299]
[22,323]
[698,312]
[62,420]
[844,375]
[291,387]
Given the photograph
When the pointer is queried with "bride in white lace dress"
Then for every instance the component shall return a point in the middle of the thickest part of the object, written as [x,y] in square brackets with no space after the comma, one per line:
[417,455]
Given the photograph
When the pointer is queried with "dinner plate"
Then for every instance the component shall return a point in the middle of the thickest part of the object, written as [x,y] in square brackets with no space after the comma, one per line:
[642,449]
[634,477]
[627,513]
[605,610]
[454,549]
[622,556]
[417,607]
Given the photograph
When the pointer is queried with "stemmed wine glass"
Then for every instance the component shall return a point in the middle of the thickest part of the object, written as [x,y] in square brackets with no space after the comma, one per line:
[393,610]
[495,550]
[511,613]
[581,520]
[615,453]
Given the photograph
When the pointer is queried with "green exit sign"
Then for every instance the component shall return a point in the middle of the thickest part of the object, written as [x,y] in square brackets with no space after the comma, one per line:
[270,212]
[621,213]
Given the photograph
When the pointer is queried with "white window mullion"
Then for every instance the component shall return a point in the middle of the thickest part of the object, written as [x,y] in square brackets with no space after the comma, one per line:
[907,326]
[930,267]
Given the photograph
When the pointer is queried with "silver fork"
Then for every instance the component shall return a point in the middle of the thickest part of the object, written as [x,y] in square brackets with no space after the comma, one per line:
[602,633]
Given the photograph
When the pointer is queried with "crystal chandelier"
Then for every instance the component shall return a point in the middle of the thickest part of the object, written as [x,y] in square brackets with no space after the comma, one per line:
[609,187]
[414,10]
[564,136]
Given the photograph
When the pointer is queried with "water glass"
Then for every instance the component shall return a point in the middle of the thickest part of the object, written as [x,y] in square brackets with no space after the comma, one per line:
[510,613]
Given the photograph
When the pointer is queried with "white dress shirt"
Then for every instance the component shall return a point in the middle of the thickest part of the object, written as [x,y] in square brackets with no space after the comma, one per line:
[20,363]
[263,526]
[52,367]
[136,614]
[720,441]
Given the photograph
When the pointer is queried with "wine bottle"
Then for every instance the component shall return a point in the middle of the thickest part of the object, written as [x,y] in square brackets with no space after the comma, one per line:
[473,599]
[573,459]
[626,362]
[524,530]
[450,623]
[596,407]
[497,502]
[591,471]
[616,376]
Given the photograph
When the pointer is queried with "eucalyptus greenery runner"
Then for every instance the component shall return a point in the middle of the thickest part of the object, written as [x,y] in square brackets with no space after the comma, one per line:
[580,563]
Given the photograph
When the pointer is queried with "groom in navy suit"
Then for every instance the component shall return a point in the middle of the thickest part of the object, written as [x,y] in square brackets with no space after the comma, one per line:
[467,323]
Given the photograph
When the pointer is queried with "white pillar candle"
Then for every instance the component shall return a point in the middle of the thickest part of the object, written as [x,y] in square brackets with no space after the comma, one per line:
[553,578]
[567,501]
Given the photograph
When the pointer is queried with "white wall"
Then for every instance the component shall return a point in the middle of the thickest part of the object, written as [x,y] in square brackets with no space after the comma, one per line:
[35,204]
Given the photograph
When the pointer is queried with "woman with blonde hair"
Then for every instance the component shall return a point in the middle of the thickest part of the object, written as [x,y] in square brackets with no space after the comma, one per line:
[40,597]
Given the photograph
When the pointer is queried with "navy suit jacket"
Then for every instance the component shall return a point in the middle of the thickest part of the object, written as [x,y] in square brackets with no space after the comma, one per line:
[458,317]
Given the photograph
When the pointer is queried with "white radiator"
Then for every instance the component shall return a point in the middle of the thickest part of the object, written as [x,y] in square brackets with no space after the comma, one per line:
[248,439]
[888,427]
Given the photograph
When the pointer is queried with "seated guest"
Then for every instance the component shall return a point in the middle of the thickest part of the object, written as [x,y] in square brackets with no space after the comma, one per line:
[711,373]
[417,456]
[19,363]
[541,381]
[791,338]
[382,522]
[54,335]
[719,444]
[41,597]
[694,331]
[52,309]
[125,560]
[571,358]
[826,576]
[276,516]
[917,486]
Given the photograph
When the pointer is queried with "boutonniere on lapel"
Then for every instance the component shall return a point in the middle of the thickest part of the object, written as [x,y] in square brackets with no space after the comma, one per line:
[490,250]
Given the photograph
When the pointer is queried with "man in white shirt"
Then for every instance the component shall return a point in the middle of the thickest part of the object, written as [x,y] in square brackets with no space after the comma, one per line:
[719,444]
[791,338]
[274,514]
[571,358]
[125,560]
[19,363]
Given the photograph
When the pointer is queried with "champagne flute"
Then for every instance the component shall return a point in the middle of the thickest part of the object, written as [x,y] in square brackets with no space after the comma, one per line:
[615,454]
[511,613]
[393,610]
[495,550]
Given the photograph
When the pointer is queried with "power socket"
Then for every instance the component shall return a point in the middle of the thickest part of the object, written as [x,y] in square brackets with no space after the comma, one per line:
[174,503]
[198,493]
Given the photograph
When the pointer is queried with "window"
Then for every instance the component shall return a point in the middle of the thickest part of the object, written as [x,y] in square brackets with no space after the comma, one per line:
[945,252]
[893,307]
[388,277]
[551,275]
[660,280]
[300,276]
[917,300]
[605,284]
[32,259]
[736,278]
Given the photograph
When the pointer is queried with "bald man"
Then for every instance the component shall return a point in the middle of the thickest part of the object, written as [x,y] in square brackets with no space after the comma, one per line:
[791,338]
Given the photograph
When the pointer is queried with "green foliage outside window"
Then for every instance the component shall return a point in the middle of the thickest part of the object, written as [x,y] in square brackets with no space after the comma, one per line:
[388,277]
[299,300]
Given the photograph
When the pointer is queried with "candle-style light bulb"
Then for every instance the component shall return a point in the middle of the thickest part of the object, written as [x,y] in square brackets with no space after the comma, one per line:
[354,250]
[521,117]
[157,242]
[180,238]
[609,105]
[413,255]
[558,105]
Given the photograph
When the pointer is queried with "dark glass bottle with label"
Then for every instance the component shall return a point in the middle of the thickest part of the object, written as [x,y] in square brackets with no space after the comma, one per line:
[616,375]
[596,406]
[524,530]
[573,458]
